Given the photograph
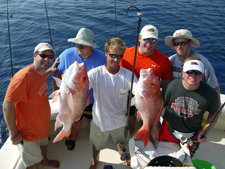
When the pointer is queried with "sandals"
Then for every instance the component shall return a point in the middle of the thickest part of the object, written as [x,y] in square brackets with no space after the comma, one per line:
[70,143]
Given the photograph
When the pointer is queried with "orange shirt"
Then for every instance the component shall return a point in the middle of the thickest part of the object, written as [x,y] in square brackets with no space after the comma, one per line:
[157,61]
[32,111]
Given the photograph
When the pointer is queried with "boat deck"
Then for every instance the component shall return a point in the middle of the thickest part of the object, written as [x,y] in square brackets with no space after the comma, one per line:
[213,151]
[81,156]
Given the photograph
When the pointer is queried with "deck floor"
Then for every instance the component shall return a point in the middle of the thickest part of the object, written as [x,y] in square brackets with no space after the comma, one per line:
[80,158]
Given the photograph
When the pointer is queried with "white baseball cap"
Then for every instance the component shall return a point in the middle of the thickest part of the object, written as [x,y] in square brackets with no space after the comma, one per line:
[193,65]
[149,31]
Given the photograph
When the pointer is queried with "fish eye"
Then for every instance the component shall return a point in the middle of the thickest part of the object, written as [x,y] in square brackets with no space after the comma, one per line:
[84,78]
[152,84]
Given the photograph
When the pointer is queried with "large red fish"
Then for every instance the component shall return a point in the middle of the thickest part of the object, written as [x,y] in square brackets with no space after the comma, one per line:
[72,97]
[148,101]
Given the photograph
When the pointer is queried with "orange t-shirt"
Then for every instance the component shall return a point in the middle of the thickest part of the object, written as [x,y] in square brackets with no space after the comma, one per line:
[157,61]
[32,111]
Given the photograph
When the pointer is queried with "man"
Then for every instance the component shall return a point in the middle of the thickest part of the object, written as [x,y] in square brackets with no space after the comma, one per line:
[181,42]
[185,101]
[147,57]
[82,52]
[27,112]
[111,84]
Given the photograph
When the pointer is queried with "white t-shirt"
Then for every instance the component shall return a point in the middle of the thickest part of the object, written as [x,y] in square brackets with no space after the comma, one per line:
[110,97]
[177,66]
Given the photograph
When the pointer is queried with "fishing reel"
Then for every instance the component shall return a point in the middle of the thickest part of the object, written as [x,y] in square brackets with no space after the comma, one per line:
[124,155]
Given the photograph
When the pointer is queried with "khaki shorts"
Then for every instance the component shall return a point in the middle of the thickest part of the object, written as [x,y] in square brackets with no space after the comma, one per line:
[100,139]
[31,152]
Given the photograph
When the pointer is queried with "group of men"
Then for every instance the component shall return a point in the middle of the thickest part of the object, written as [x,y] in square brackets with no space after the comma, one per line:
[27,111]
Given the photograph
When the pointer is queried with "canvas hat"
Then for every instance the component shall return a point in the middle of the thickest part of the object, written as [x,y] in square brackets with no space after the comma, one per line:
[42,47]
[181,33]
[193,65]
[84,37]
[149,31]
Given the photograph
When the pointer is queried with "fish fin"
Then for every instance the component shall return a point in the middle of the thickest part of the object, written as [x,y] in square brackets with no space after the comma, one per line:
[58,122]
[61,135]
[144,134]
[158,115]
[58,81]
[139,115]
[79,117]
[133,100]
[55,95]
[70,100]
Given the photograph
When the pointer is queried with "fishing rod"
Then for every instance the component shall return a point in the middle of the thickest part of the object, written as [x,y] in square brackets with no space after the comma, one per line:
[196,145]
[10,51]
[115,18]
[49,30]
[123,154]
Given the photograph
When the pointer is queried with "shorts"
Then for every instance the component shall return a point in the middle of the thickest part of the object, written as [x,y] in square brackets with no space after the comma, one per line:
[87,112]
[31,152]
[100,139]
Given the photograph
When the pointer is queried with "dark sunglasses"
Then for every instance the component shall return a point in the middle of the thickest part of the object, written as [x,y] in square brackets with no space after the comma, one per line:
[181,43]
[115,56]
[192,71]
[44,56]
[147,40]
[80,46]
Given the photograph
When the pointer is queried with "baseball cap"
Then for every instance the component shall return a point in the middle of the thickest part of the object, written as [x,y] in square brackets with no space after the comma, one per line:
[42,47]
[149,31]
[193,65]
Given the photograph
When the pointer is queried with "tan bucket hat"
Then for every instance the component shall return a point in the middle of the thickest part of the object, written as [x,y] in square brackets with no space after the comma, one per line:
[84,37]
[181,33]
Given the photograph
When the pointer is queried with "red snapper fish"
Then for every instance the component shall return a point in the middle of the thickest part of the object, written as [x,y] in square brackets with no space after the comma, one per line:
[72,97]
[148,101]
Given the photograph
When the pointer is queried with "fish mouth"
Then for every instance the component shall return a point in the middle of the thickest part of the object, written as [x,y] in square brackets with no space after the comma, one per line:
[146,72]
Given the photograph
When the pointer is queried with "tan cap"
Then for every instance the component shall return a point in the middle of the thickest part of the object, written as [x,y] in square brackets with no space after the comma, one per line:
[42,47]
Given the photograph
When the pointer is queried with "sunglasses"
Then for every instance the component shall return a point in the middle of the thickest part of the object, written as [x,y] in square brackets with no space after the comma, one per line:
[115,56]
[147,40]
[80,46]
[181,43]
[193,71]
[44,56]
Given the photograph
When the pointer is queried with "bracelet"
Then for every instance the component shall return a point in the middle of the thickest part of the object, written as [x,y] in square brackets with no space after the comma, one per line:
[15,136]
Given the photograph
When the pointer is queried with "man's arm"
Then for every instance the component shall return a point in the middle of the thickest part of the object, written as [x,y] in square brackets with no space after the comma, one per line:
[218,92]
[55,87]
[52,68]
[9,116]
[208,127]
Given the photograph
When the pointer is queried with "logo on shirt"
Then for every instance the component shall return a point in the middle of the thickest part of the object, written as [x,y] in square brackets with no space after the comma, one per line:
[185,107]
[43,89]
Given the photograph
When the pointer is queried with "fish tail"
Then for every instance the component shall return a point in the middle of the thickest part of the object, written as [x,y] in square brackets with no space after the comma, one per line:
[144,134]
[61,135]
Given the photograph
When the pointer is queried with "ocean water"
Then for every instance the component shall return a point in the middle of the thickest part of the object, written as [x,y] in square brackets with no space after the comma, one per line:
[29,26]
